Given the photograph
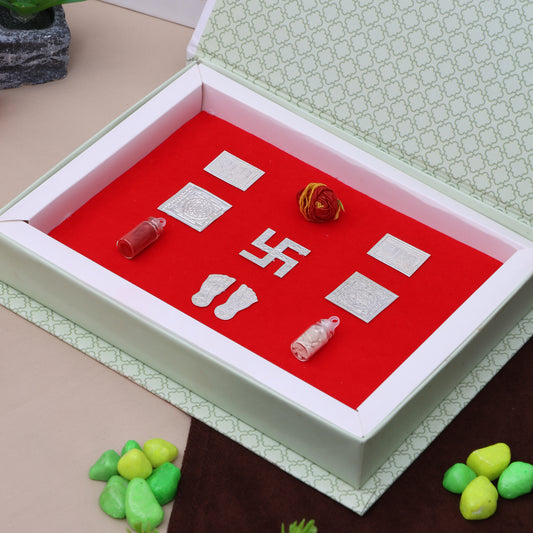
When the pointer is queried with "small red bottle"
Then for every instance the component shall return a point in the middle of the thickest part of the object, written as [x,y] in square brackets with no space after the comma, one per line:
[140,237]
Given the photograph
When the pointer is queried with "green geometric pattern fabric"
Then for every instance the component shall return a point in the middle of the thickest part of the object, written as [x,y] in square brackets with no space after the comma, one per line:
[444,86]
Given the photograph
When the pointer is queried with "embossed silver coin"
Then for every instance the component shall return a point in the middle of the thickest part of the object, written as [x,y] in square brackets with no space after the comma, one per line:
[362,297]
[195,206]
[233,170]
[398,254]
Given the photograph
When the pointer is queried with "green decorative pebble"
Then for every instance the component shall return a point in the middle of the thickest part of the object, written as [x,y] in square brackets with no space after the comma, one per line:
[479,499]
[159,451]
[105,466]
[130,445]
[490,461]
[457,477]
[134,464]
[164,482]
[516,480]
[142,509]
[113,498]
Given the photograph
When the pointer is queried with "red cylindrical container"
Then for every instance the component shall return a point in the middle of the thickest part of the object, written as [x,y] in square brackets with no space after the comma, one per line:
[141,236]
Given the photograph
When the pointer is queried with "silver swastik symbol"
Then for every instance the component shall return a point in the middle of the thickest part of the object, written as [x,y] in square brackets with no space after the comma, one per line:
[275,253]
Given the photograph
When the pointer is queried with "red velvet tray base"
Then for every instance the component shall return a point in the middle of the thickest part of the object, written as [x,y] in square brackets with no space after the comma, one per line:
[361,355]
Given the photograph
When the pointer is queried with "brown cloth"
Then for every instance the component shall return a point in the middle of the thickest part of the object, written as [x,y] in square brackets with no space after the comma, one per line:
[227,488]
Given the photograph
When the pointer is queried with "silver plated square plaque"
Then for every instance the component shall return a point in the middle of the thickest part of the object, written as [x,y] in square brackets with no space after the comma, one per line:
[362,297]
[195,206]
[398,254]
[235,171]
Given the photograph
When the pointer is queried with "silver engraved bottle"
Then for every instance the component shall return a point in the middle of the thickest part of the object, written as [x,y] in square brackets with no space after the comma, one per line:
[312,339]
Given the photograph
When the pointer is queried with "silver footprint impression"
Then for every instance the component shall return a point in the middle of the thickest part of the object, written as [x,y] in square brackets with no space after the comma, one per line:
[213,285]
[242,298]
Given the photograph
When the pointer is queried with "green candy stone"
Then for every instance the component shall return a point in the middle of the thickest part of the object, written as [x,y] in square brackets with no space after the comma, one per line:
[516,480]
[143,511]
[113,498]
[457,477]
[105,466]
[479,499]
[130,445]
[490,461]
[160,451]
[134,464]
[164,482]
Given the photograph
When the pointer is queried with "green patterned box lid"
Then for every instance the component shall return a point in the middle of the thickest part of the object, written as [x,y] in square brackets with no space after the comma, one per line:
[439,88]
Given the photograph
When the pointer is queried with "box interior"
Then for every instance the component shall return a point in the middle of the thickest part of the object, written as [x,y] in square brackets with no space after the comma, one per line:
[360,356]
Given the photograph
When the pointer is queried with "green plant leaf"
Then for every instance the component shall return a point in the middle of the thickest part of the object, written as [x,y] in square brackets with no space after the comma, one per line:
[302,527]
[25,8]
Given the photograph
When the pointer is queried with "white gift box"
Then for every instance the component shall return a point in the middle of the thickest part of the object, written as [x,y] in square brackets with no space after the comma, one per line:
[351,443]
[185,12]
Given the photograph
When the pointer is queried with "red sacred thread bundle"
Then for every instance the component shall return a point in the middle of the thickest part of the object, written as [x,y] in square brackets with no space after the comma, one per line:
[319,203]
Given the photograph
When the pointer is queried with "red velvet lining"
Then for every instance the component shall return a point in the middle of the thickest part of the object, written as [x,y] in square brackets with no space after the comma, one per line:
[360,356]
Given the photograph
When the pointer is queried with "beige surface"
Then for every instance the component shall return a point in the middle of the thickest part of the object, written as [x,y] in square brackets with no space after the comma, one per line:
[59,408]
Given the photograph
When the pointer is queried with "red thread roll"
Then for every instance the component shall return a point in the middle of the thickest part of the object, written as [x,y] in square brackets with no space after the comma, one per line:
[319,203]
